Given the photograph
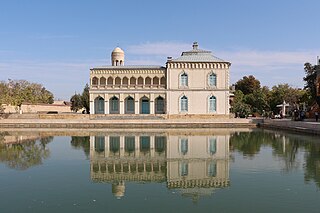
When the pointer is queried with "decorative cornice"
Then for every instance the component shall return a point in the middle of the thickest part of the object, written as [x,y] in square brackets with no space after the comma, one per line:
[127,71]
[198,65]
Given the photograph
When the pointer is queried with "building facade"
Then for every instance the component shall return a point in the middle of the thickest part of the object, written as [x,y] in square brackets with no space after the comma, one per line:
[196,83]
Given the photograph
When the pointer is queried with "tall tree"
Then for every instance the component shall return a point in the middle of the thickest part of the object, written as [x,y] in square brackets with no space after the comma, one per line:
[248,84]
[310,78]
[85,98]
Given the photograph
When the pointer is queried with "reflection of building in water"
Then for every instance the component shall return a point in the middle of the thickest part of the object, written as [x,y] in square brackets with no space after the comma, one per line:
[194,164]
[198,162]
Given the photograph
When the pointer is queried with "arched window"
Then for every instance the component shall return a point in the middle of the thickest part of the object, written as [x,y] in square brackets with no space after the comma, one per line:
[212,169]
[114,144]
[155,81]
[110,81]
[140,81]
[160,143]
[125,82]
[114,105]
[184,146]
[144,143]
[184,79]
[99,105]
[159,105]
[212,104]
[184,104]
[184,168]
[95,81]
[118,81]
[129,144]
[102,81]
[163,81]
[132,81]
[129,105]
[212,145]
[148,81]
[212,80]
[99,143]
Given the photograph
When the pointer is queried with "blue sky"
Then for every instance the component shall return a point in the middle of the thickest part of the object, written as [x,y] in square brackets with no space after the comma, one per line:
[56,42]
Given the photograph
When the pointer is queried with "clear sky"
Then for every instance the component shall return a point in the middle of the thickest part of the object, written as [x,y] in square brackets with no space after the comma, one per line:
[56,42]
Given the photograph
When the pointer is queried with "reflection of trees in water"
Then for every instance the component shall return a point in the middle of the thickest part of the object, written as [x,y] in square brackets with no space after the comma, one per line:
[81,142]
[249,143]
[312,168]
[285,146]
[24,155]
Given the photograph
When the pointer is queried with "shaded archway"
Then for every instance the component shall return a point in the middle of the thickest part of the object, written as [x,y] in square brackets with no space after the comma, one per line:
[103,81]
[95,81]
[133,81]
[114,105]
[129,105]
[125,82]
[148,82]
[99,105]
[159,105]
[155,81]
[110,82]
[144,105]
[117,82]
[140,81]
[163,82]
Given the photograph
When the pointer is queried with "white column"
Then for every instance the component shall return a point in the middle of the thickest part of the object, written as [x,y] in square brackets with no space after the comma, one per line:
[121,146]
[91,107]
[152,145]
[121,104]
[106,104]
[151,103]
[106,147]
[136,105]
[137,146]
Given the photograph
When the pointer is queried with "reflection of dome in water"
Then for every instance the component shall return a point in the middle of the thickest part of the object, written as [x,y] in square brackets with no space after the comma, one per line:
[118,189]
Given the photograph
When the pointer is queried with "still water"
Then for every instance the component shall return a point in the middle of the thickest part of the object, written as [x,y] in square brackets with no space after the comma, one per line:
[217,170]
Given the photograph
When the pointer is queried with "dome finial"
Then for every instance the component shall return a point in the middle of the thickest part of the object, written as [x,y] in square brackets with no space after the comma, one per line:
[195,45]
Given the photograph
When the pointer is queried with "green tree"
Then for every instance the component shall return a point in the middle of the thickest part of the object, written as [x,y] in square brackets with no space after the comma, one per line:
[239,106]
[85,98]
[284,92]
[258,100]
[76,102]
[248,84]
[310,79]
[17,92]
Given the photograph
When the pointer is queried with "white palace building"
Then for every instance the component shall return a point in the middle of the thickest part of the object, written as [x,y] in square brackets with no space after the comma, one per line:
[195,84]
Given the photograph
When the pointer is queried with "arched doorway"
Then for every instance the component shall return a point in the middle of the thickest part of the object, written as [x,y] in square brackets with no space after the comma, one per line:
[114,105]
[129,105]
[144,105]
[159,105]
[99,105]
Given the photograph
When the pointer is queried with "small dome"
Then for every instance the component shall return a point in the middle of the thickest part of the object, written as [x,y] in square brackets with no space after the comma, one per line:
[117,57]
[118,50]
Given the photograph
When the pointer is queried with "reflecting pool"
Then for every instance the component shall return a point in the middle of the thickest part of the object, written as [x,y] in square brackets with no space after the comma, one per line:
[188,170]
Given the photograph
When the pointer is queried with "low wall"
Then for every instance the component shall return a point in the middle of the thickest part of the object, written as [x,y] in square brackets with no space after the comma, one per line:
[296,126]
[38,108]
